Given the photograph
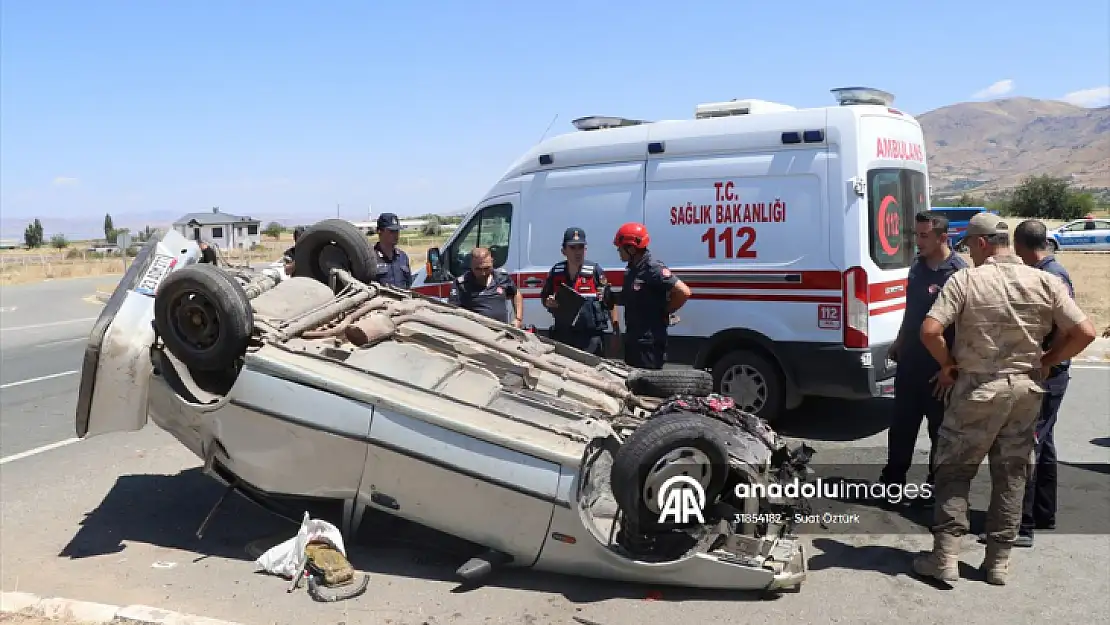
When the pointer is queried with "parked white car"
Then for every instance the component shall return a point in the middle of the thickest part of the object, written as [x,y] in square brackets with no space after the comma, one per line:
[1088,235]
[325,385]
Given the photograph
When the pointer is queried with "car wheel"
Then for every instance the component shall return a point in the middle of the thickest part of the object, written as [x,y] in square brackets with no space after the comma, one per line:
[334,243]
[1053,246]
[204,317]
[755,384]
[663,383]
[961,246]
[680,443]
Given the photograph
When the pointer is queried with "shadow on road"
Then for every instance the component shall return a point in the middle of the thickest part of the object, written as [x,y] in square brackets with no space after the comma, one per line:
[1101,442]
[166,510]
[883,559]
[1096,467]
[821,419]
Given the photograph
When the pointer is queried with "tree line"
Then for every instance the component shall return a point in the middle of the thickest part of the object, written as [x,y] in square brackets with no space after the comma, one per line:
[33,236]
[1039,197]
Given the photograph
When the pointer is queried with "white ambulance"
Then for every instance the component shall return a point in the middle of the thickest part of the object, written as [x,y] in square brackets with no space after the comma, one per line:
[792,227]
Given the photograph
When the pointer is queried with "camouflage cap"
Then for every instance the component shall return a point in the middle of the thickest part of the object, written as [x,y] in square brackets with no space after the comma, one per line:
[985,224]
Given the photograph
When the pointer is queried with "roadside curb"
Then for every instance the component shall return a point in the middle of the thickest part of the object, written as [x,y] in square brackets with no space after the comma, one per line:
[88,612]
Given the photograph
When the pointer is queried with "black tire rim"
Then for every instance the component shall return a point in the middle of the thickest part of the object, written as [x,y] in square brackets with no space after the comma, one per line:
[194,320]
[331,256]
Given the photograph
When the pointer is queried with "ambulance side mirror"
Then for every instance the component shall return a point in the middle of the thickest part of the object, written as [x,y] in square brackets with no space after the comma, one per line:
[434,266]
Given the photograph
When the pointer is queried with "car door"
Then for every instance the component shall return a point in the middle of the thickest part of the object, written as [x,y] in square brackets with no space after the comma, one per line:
[491,227]
[1101,235]
[1073,236]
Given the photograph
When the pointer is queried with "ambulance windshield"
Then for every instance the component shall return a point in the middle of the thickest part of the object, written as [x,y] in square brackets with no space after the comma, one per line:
[894,197]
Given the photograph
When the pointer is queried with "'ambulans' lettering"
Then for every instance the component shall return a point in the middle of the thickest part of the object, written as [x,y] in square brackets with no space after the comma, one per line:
[899,150]
[735,239]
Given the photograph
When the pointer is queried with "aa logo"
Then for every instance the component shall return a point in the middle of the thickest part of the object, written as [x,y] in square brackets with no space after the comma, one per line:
[681,498]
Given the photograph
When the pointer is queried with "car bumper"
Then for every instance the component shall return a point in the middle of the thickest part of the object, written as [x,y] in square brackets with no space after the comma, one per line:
[794,573]
[833,371]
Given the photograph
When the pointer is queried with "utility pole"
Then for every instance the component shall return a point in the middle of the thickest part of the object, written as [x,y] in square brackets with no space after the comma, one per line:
[337,209]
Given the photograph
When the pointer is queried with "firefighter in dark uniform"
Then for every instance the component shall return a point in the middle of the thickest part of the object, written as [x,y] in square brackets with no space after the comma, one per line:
[393,263]
[485,290]
[584,330]
[915,392]
[650,295]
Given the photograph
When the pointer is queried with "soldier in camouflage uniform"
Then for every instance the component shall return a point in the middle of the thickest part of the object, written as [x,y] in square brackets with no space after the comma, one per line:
[1002,310]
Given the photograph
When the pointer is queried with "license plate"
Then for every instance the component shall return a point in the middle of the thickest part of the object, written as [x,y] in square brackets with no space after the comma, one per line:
[159,268]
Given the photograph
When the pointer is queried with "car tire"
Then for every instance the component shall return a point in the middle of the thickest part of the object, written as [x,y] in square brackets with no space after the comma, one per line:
[637,469]
[334,243]
[763,377]
[663,383]
[203,317]
[1053,246]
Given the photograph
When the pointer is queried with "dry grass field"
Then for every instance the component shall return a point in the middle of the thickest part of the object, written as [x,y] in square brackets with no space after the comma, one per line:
[24,266]
[1090,273]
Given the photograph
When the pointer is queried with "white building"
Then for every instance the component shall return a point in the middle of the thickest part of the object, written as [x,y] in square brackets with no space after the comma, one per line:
[224,230]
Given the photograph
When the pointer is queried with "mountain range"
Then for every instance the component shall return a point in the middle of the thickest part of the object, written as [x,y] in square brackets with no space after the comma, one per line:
[984,148]
[981,148]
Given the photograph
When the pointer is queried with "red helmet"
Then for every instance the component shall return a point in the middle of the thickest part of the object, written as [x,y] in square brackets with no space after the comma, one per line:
[633,234]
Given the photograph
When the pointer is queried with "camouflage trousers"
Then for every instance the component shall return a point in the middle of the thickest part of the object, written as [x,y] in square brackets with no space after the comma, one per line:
[992,416]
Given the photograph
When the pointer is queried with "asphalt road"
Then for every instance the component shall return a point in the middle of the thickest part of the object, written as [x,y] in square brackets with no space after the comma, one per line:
[112,519]
[43,329]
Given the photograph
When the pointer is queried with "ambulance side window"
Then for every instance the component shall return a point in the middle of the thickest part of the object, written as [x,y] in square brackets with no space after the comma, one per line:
[490,228]
[894,197]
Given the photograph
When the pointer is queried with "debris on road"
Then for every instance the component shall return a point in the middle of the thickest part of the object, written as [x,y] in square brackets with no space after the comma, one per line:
[316,553]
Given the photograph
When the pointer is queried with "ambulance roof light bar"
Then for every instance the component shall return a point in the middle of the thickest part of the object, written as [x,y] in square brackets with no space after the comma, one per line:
[599,122]
[847,96]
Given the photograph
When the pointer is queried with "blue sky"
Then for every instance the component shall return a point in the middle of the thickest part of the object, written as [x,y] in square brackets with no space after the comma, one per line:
[290,108]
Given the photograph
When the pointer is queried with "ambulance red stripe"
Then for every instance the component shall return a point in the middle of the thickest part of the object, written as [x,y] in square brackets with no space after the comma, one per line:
[733,280]
[725,279]
[884,291]
[882,310]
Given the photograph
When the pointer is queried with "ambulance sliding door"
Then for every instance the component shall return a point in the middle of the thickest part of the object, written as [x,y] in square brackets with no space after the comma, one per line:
[595,198]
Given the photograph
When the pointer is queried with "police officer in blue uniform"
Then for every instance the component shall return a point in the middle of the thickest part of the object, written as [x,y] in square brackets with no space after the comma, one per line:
[485,290]
[585,329]
[1039,505]
[393,263]
[650,295]
[915,396]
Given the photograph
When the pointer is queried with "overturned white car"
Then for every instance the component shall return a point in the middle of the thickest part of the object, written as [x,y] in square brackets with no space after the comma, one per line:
[547,456]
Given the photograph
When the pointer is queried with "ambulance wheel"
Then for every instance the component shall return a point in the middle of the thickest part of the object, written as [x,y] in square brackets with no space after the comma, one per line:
[754,383]
[679,443]
[334,243]
[664,383]
[203,317]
